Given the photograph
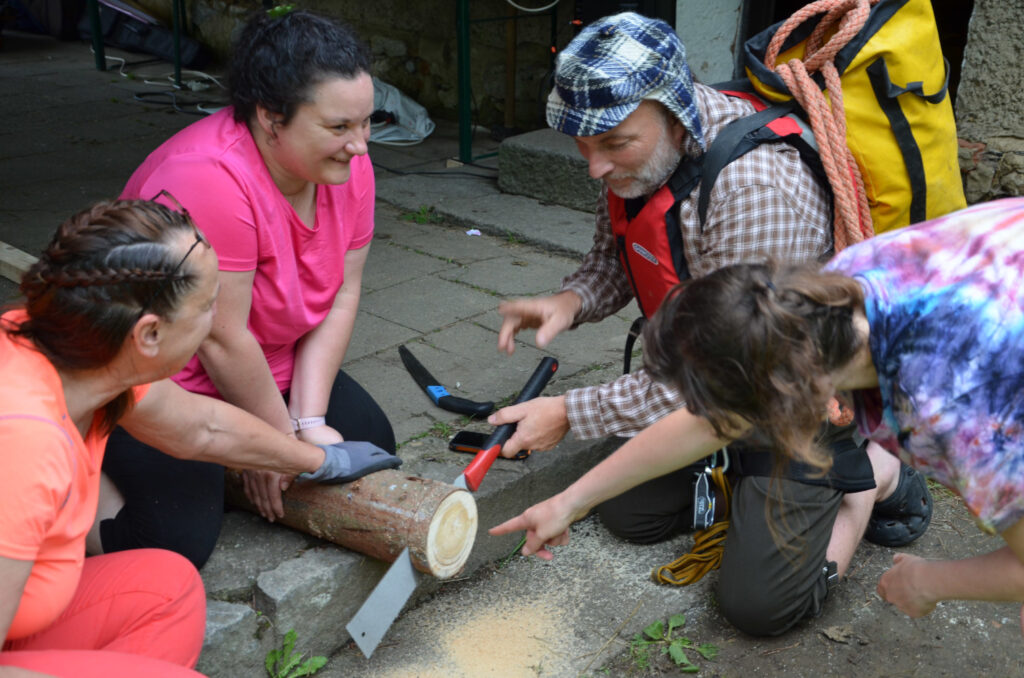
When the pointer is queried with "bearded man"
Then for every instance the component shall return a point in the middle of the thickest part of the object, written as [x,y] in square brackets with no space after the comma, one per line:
[623,90]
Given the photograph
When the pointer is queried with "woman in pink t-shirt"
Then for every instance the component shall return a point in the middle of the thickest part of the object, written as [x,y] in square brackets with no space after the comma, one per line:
[281,184]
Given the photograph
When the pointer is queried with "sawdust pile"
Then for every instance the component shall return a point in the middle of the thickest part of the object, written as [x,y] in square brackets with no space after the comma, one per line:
[516,639]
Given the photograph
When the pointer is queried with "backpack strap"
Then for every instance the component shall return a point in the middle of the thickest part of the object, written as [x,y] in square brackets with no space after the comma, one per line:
[634,331]
[685,177]
[738,138]
[886,93]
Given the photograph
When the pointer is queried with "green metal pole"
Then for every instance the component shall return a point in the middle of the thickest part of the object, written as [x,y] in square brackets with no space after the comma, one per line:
[177,19]
[93,8]
[464,85]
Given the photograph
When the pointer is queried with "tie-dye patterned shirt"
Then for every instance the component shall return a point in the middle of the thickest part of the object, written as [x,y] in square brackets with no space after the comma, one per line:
[945,304]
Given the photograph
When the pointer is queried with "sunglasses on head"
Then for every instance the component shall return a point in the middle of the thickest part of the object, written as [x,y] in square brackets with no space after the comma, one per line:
[200,238]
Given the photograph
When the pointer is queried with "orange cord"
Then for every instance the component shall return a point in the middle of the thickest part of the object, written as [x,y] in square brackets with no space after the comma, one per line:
[852,219]
[708,545]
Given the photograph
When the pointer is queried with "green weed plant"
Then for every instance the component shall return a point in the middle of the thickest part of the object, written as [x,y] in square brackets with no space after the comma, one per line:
[287,663]
[675,646]
[424,215]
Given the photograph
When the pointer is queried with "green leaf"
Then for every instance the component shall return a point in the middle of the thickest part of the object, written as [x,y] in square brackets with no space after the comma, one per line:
[707,650]
[309,667]
[269,662]
[655,631]
[676,621]
[678,655]
[290,664]
[289,641]
[280,10]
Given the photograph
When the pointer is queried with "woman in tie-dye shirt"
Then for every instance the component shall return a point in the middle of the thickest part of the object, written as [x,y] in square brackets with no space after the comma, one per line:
[923,328]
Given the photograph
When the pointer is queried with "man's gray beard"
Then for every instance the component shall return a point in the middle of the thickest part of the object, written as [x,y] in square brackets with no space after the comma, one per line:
[655,172]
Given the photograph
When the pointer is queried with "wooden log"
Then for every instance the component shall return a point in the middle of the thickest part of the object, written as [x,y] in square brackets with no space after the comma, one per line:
[380,514]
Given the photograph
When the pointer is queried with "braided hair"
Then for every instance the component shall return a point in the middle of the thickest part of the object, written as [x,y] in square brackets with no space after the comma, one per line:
[758,341]
[104,268]
[277,61]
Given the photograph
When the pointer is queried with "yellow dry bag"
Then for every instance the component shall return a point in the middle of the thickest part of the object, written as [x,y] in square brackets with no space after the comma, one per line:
[900,128]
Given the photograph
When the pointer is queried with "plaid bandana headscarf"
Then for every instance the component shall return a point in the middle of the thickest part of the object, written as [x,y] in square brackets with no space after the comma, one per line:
[614,64]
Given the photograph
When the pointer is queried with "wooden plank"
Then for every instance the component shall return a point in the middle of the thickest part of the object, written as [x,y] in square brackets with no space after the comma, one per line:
[14,262]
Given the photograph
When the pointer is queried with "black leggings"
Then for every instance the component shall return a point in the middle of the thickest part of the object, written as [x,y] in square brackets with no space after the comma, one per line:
[178,504]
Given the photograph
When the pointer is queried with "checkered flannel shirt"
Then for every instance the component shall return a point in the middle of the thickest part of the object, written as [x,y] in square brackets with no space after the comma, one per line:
[765,204]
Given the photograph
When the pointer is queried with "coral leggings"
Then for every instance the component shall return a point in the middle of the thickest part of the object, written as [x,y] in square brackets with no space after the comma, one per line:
[135,613]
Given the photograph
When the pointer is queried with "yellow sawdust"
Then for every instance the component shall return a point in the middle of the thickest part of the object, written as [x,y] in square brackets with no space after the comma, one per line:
[517,640]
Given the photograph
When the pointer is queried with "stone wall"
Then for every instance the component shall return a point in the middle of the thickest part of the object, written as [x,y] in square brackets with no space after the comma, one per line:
[414,46]
[990,106]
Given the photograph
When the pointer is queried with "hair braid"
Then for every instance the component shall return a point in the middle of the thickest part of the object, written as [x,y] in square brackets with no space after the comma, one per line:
[88,288]
[106,276]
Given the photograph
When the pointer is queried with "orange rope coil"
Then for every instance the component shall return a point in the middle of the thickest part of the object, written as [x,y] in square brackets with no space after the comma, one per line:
[852,218]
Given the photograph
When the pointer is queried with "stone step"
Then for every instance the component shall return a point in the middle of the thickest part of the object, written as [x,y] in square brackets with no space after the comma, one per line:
[545,165]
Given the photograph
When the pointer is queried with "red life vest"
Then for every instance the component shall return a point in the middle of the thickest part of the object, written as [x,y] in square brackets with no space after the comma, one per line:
[649,240]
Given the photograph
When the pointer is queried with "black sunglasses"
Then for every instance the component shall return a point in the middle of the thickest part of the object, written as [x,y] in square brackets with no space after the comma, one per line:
[200,238]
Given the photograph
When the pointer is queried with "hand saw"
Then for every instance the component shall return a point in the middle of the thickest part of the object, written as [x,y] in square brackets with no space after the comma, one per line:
[380,609]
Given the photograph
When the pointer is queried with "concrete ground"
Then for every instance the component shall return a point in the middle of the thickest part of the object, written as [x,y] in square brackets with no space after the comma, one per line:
[72,135]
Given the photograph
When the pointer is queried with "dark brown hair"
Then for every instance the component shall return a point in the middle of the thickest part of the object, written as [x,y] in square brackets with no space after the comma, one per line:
[758,341]
[277,61]
[103,268]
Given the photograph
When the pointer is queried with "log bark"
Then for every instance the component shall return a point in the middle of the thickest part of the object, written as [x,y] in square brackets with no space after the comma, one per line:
[380,514]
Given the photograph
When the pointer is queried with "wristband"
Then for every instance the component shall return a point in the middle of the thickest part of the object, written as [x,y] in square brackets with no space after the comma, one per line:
[307,422]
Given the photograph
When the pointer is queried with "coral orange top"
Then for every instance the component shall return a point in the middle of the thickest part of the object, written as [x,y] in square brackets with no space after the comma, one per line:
[49,481]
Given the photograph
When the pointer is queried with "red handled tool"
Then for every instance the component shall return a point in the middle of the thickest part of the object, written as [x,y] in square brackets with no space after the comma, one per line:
[474,473]
[368,626]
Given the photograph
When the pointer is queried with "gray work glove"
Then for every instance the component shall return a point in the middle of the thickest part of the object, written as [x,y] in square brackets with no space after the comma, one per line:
[348,460]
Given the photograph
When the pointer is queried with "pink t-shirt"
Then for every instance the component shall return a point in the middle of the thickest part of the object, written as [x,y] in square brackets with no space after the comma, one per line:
[214,169]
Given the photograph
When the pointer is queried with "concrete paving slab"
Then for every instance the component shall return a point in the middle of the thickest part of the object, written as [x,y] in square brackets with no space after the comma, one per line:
[414,191]
[552,227]
[409,304]
[123,124]
[449,243]
[390,264]
[520,272]
[8,291]
[373,334]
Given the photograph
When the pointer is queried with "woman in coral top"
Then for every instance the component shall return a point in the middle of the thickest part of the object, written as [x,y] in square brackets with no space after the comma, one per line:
[118,301]
[281,185]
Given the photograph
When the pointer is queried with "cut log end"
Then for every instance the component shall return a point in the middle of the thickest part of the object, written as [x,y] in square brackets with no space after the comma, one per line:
[451,534]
